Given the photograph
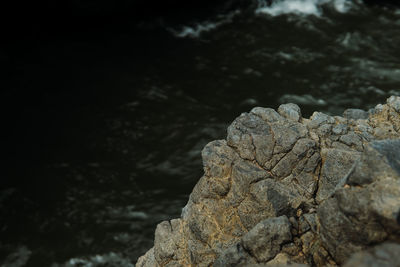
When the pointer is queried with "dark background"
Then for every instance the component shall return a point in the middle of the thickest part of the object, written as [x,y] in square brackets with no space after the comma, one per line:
[40,36]
[39,106]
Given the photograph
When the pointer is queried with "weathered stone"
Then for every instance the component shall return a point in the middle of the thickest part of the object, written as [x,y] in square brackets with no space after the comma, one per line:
[340,129]
[324,129]
[267,199]
[304,148]
[394,102]
[267,114]
[265,239]
[307,240]
[336,165]
[385,255]
[241,132]
[147,260]
[318,119]
[234,256]
[333,224]
[272,264]
[311,219]
[164,247]
[352,140]
[218,158]
[320,256]
[355,114]
[375,160]
[290,249]
[280,259]
[358,216]
[290,111]
[390,149]
[338,179]
[303,225]
[243,175]
[286,135]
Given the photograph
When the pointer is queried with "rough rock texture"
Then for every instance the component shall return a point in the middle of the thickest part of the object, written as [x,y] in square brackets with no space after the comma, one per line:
[385,255]
[283,190]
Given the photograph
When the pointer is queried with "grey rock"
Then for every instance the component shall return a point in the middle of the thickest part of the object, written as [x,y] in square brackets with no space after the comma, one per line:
[264,148]
[290,111]
[324,129]
[147,260]
[319,118]
[337,164]
[281,259]
[266,114]
[243,175]
[267,199]
[217,159]
[337,230]
[311,219]
[355,114]
[290,249]
[391,150]
[271,264]
[303,225]
[265,239]
[303,148]
[307,240]
[358,216]
[234,256]
[340,129]
[242,131]
[385,255]
[286,134]
[394,102]
[337,178]
[375,160]
[164,247]
[352,140]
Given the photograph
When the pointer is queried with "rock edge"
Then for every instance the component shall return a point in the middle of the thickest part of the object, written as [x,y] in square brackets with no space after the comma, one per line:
[285,190]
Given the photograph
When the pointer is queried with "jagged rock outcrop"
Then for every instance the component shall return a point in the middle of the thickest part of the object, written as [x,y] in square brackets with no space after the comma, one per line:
[282,189]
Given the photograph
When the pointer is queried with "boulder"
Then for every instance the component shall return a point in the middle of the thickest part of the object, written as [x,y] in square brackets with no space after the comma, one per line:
[283,190]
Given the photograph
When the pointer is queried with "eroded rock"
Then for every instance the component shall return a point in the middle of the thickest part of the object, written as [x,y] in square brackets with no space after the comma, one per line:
[336,178]
[385,255]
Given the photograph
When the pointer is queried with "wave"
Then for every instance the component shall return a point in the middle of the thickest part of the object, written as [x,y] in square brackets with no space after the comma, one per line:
[272,8]
[301,7]
[306,99]
[194,31]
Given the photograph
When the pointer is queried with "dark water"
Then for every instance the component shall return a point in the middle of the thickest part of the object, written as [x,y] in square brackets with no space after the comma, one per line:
[104,131]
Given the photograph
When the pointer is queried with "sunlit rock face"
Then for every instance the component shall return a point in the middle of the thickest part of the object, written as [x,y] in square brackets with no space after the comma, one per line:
[283,189]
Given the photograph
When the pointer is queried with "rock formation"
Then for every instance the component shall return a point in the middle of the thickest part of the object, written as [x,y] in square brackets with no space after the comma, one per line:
[282,189]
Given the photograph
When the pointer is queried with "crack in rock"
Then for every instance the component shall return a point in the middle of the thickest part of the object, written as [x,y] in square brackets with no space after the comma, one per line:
[336,178]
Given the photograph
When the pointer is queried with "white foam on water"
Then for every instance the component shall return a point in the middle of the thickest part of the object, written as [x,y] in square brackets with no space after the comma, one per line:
[110,259]
[306,7]
[394,92]
[278,7]
[382,70]
[18,258]
[301,7]
[302,100]
[196,30]
[342,6]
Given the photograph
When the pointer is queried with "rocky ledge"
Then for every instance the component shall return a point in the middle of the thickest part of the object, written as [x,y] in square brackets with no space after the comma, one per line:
[282,189]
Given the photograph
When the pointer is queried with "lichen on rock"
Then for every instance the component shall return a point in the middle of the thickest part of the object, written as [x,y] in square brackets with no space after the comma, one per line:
[283,190]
